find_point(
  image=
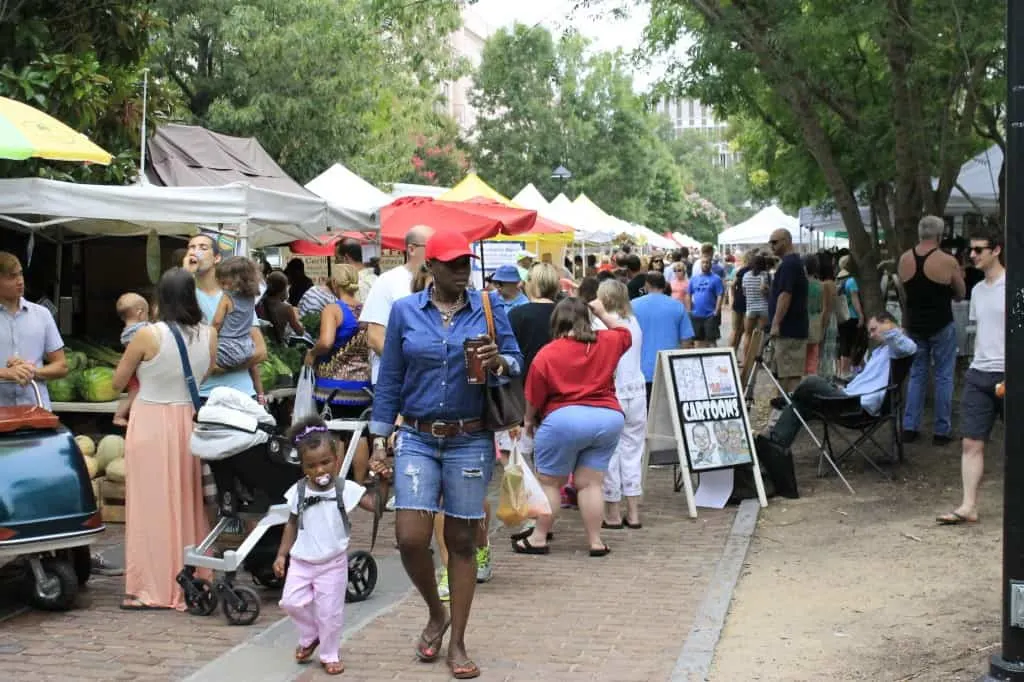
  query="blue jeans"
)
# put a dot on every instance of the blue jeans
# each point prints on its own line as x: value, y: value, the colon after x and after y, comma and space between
x: 938, y: 352
x: 576, y: 436
x: 443, y: 474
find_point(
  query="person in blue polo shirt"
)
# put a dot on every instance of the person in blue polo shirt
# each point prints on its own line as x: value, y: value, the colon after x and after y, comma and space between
x: 664, y: 322
x: 706, y: 291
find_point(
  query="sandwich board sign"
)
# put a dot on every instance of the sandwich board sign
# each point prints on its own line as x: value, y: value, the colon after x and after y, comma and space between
x: 697, y: 407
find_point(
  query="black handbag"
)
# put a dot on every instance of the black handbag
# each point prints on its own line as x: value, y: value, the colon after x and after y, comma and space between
x: 505, y: 403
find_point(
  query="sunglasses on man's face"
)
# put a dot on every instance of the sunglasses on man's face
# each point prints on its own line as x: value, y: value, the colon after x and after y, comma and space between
x: 773, y: 242
x: 978, y: 250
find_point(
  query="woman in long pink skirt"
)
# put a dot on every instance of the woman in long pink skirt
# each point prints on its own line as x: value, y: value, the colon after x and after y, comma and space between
x: 163, y: 488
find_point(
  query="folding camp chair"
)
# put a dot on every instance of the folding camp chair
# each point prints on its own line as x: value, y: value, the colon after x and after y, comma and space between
x: 845, y: 412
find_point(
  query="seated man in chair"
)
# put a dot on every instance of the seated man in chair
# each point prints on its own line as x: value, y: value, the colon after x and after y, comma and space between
x: 869, y: 385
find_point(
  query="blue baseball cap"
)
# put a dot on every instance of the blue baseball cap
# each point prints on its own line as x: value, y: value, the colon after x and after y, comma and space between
x: 506, y: 273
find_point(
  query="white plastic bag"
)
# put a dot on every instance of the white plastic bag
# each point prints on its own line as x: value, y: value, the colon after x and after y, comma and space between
x: 536, y: 500
x: 305, y: 405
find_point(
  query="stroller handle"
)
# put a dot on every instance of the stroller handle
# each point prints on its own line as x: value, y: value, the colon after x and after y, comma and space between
x: 35, y: 389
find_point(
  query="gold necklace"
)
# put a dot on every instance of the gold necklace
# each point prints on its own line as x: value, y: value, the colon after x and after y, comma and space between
x: 448, y: 310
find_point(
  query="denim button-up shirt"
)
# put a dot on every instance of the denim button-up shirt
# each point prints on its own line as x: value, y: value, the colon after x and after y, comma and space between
x: 423, y: 368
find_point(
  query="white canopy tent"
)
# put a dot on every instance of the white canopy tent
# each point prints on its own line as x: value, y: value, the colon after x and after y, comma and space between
x: 341, y: 187
x: 405, y: 189
x: 530, y: 198
x: 262, y: 217
x: 758, y: 228
x: 979, y: 178
x: 686, y: 240
x: 588, y: 230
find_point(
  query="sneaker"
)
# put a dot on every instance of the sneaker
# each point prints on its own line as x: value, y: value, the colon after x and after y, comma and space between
x: 941, y: 440
x: 100, y: 565
x: 483, y: 564
x: 442, y: 585
x: 390, y: 506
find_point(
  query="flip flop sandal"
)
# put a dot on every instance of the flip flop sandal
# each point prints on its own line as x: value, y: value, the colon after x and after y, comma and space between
x: 632, y: 526
x: 524, y: 534
x: 135, y: 605
x: 427, y: 650
x: 303, y: 654
x: 611, y: 526
x: 954, y: 519
x: 604, y: 551
x: 524, y: 547
x: 333, y: 667
x: 466, y: 670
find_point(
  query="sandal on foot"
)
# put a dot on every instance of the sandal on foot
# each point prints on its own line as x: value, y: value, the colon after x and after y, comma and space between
x: 954, y: 519
x: 466, y: 670
x: 524, y: 547
x: 333, y: 667
x: 604, y: 551
x: 632, y: 526
x: 304, y: 653
x: 611, y: 526
x: 523, y: 534
x: 427, y: 650
x: 132, y: 604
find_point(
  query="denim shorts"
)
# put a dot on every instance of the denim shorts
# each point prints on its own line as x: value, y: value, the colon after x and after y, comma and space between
x: 576, y: 436
x: 443, y: 474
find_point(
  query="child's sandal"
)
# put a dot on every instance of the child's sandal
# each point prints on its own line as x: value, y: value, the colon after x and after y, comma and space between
x: 333, y: 667
x: 304, y: 653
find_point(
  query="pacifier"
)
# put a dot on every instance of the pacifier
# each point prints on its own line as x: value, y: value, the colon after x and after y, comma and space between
x: 322, y: 480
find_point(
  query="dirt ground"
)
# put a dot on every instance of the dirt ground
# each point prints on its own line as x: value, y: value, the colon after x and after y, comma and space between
x: 867, y: 586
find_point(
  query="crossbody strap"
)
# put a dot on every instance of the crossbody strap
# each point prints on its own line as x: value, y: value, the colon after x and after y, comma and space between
x: 186, y: 365
x: 489, y: 316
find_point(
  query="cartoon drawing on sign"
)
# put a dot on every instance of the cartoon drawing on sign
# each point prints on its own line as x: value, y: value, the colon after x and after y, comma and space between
x: 720, y: 381
x: 703, y: 452
x: 733, y: 444
x: 690, y: 383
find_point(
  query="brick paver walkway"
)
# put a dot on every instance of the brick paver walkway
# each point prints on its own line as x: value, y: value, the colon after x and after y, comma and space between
x: 567, y: 616
x: 99, y: 642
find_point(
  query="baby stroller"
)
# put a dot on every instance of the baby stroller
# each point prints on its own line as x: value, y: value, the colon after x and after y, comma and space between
x: 253, y: 467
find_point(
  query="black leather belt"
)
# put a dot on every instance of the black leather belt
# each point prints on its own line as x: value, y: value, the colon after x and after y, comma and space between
x: 443, y: 429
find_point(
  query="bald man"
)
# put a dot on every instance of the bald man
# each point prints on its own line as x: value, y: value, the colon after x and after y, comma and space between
x: 787, y: 310
x: 388, y: 288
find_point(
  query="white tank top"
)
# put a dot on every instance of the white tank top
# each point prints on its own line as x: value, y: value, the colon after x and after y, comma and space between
x: 162, y: 379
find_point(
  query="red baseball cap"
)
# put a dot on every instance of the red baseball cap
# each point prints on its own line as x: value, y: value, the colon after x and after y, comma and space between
x: 448, y: 246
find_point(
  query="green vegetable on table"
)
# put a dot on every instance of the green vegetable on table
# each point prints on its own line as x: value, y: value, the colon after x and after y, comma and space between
x: 96, y: 385
x: 268, y: 375
x: 62, y: 390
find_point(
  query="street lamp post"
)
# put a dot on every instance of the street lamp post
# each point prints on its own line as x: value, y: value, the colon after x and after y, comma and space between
x: 1008, y: 664
x: 562, y: 174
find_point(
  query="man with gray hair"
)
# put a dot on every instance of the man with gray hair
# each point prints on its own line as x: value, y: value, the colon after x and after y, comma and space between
x: 388, y: 288
x: 932, y: 281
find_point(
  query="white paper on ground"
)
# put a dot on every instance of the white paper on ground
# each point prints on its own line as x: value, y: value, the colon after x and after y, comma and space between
x: 714, y: 489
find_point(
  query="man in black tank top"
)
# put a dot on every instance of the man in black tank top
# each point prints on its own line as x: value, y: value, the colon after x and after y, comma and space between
x: 932, y: 281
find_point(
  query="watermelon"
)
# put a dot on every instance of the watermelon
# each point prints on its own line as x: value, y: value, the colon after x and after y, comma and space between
x: 76, y: 359
x: 62, y: 390
x: 268, y: 375
x: 97, y: 385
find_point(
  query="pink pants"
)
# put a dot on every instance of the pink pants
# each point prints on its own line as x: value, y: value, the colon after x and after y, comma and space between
x: 314, y: 598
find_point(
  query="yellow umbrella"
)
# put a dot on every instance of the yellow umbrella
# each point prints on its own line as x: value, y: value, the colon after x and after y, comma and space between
x: 26, y: 132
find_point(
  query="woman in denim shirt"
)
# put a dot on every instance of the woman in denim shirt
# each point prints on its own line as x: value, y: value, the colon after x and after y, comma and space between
x: 443, y: 454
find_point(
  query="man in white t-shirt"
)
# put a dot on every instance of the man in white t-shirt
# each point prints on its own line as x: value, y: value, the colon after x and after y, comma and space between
x: 389, y: 287
x: 979, y: 404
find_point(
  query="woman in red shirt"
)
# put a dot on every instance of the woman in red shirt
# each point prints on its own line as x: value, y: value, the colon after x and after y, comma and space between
x: 574, y: 415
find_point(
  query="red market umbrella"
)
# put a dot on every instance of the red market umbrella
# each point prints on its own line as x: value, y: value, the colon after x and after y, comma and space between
x: 541, y: 226
x: 475, y: 220
x: 327, y: 243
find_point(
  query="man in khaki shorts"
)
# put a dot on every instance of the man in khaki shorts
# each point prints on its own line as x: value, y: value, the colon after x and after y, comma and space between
x: 787, y: 310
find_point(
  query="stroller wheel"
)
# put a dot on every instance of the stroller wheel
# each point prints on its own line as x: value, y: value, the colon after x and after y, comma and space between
x: 241, y: 605
x: 201, y: 600
x: 362, y: 576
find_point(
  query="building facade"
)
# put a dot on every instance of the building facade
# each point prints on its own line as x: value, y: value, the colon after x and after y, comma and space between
x: 693, y: 115
x: 467, y: 43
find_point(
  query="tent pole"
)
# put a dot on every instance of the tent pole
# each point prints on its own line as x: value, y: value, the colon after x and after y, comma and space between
x: 60, y: 268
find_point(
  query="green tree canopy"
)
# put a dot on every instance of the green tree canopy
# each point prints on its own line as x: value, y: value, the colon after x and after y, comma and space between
x: 316, y: 81
x: 543, y: 102
x: 82, y: 62
x: 837, y: 99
